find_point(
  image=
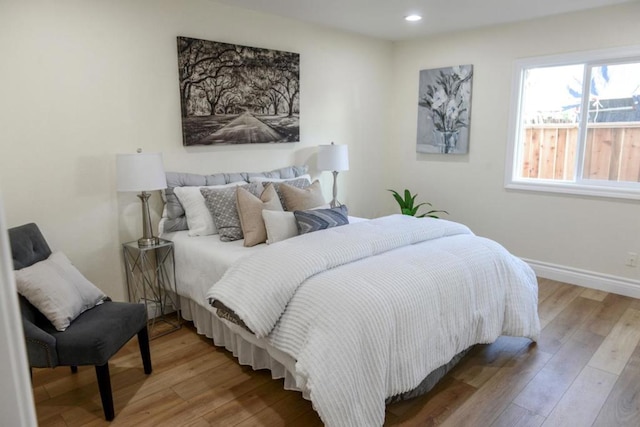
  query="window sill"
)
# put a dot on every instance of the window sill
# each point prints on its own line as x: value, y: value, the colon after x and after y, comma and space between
x: 576, y: 189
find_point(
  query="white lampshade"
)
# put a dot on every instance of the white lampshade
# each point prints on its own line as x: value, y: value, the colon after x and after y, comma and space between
x: 140, y: 172
x: 333, y: 157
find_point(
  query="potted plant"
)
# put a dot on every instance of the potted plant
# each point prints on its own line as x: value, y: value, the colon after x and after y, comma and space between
x: 408, y: 206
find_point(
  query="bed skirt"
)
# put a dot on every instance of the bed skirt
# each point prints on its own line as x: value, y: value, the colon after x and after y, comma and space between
x: 250, y: 352
x: 430, y: 381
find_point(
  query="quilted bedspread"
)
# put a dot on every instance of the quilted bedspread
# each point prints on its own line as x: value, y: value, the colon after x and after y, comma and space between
x: 368, y: 310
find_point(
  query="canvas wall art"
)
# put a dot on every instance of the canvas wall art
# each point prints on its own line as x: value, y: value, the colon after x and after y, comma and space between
x: 232, y: 94
x: 444, y: 110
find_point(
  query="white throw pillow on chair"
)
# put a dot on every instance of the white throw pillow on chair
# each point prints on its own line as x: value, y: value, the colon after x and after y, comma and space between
x: 58, y: 290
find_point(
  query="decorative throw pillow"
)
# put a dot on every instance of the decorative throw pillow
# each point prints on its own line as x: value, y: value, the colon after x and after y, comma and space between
x: 250, y: 210
x: 280, y: 225
x: 58, y: 290
x: 300, y: 199
x: 174, y: 211
x: 300, y: 182
x: 221, y: 202
x: 199, y: 219
x: 321, y: 219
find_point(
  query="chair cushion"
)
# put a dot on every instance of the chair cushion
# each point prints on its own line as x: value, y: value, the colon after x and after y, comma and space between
x: 28, y: 245
x: 97, y: 334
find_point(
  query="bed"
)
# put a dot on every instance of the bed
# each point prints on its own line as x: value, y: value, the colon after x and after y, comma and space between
x: 358, y: 315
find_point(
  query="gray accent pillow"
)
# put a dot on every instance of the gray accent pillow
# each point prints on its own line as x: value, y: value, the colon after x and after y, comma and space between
x: 321, y: 219
x: 175, y: 216
x: 221, y: 202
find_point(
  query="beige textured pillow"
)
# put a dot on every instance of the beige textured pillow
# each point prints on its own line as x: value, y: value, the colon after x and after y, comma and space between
x: 300, y: 199
x: 250, y: 212
x: 280, y: 225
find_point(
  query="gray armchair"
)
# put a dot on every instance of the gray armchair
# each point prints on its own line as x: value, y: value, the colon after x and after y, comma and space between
x: 91, y: 339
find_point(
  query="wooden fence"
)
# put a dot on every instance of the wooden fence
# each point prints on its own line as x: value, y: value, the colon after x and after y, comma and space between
x: 612, y: 151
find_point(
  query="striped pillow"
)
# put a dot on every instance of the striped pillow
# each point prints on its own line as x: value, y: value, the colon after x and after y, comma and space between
x: 320, y: 219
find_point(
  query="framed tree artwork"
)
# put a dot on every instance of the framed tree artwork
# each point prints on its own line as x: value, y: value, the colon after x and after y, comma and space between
x: 232, y: 94
x: 444, y: 110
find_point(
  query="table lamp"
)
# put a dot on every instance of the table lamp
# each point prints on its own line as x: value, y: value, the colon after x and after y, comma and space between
x: 333, y: 158
x: 141, y: 172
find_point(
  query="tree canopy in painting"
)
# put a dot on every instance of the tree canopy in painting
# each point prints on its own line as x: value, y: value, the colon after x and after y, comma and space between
x: 232, y: 94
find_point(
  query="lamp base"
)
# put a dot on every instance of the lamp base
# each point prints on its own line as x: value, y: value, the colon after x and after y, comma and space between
x: 148, y: 241
x: 334, y: 202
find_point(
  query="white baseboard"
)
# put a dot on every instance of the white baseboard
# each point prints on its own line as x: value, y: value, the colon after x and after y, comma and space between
x: 588, y: 279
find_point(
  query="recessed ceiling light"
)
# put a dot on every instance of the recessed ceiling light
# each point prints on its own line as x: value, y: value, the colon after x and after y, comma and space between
x: 412, y: 18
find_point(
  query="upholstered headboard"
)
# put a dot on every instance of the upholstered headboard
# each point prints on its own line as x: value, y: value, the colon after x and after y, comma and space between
x: 174, y: 212
x: 28, y: 246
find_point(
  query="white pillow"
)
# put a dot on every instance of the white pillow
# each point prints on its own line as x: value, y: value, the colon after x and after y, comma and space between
x: 58, y: 290
x: 265, y: 179
x: 280, y: 225
x: 199, y: 218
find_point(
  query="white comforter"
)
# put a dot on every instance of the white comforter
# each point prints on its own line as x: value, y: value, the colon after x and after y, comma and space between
x: 368, y: 310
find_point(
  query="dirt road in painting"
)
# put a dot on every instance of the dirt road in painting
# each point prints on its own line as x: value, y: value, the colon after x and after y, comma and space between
x: 242, y: 130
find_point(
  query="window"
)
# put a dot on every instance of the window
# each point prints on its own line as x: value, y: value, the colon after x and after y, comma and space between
x: 575, y: 124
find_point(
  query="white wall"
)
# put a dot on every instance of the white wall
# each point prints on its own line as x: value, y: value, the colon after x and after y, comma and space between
x: 83, y: 80
x: 582, y: 233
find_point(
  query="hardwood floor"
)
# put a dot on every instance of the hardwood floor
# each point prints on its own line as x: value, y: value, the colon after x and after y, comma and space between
x: 584, y: 371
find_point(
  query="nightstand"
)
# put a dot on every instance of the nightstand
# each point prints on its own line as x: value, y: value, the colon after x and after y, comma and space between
x: 151, y: 280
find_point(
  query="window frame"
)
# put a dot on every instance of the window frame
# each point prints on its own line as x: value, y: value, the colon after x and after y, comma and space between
x: 587, y: 187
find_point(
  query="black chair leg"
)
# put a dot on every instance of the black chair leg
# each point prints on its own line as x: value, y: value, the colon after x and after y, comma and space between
x: 104, y: 383
x: 143, y: 342
x: 74, y: 369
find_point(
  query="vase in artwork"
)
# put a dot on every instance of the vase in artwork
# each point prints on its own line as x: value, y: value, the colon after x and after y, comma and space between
x: 446, y: 140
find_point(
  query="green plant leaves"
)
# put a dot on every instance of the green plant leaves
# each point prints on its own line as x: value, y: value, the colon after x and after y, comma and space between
x: 407, y: 207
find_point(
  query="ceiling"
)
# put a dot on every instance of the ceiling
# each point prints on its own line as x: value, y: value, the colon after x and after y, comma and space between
x: 384, y: 18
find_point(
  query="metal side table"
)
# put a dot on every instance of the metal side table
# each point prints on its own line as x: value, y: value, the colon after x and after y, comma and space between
x: 151, y: 280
